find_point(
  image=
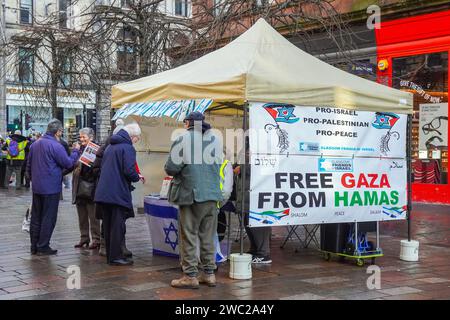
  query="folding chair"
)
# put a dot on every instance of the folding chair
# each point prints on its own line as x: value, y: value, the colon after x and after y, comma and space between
x: 310, y: 235
x: 292, y: 230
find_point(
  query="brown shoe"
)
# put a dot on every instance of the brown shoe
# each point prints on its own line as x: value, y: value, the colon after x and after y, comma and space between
x: 208, y: 279
x: 185, y: 282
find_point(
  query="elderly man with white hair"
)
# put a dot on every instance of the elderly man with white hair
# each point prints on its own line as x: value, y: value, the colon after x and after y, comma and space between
x: 113, y: 192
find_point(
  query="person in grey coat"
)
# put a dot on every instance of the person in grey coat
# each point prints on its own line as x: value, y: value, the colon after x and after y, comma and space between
x: 195, y: 188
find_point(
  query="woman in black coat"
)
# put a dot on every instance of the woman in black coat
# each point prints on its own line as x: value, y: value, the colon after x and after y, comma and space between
x: 83, y: 189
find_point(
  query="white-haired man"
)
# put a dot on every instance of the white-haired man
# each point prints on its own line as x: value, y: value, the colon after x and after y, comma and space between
x: 113, y: 192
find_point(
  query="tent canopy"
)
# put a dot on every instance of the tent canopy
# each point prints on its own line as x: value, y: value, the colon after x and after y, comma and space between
x: 262, y: 66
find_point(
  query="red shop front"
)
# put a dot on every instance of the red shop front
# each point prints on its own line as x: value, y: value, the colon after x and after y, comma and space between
x: 413, y: 55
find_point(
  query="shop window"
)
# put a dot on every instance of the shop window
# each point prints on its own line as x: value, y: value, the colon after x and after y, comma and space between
x: 426, y: 76
x: 35, y: 119
x: 26, y: 11
x: 26, y: 65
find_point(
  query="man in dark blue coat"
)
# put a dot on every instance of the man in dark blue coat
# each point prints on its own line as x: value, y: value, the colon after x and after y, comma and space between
x: 113, y: 193
x: 46, y: 161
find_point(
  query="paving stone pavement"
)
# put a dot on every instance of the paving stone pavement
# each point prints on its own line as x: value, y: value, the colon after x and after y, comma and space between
x: 295, y: 273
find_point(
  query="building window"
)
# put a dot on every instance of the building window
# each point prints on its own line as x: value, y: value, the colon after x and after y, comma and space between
x: 26, y: 65
x: 261, y: 3
x: 66, y: 68
x: 64, y: 13
x: 125, y: 3
x: 126, y: 58
x: 181, y: 8
x: 126, y: 51
x: 26, y: 11
x: 221, y: 7
x: 426, y: 76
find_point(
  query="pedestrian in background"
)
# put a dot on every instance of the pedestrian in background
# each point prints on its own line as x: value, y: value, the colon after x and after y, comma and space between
x: 113, y: 193
x: 47, y: 160
x: 27, y: 219
x: 17, y: 147
x: 25, y: 182
x: 66, y: 180
x: 83, y: 190
x: 2, y: 164
x: 195, y: 188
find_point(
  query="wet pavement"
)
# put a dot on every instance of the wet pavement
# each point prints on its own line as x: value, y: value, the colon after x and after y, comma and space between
x: 295, y: 273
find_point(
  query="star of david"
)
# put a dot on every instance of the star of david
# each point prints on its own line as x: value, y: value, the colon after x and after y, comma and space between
x: 285, y: 112
x: 382, y: 120
x: 167, y: 232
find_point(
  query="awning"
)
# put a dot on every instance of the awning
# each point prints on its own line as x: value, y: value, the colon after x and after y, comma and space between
x: 168, y: 108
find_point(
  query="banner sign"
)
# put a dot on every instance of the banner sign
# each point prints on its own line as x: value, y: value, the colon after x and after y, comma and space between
x: 356, y: 173
x: 283, y: 128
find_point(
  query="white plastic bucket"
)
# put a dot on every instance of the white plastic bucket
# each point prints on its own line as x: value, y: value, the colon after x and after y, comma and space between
x: 240, y: 266
x: 409, y: 250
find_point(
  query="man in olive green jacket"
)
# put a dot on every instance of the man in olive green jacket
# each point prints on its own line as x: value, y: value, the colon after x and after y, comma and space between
x: 194, y: 162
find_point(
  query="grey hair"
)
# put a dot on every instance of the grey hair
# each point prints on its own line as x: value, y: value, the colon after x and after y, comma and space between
x: 54, y: 126
x: 133, y: 129
x: 87, y: 131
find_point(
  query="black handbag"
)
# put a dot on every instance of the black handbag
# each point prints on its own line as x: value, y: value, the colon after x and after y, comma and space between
x: 86, y: 190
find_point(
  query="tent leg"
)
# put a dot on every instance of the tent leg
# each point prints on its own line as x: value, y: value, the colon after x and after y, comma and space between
x: 409, y: 171
x: 243, y: 180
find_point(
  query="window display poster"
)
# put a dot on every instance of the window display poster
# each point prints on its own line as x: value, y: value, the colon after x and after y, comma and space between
x: 433, y: 124
x: 89, y: 154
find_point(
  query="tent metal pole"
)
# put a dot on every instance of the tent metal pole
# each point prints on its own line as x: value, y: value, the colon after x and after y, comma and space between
x: 243, y: 179
x: 409, y: 178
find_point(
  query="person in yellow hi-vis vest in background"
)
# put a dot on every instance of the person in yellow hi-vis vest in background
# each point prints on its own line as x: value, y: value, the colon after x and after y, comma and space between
x: 226, y: 180
x: 16, y: 147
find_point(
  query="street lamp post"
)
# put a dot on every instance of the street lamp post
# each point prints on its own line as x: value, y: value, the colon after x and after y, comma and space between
x: 3, y: 68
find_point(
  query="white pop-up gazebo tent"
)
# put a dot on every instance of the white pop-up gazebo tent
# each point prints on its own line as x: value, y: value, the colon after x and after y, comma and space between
x: 258, y: 66
x: 261, y: 65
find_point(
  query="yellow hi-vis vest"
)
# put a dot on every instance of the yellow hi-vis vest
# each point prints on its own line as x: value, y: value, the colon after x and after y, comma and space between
x: 222, y: 173
x: 21, y: 146
x: 222, y: 178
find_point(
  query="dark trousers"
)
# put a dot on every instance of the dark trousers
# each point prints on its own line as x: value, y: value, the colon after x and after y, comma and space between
x: 114, y: 230
x: 259, y: 239
x: 23, y: 179
x: 44, y: 212
x: 3, y: 174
